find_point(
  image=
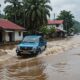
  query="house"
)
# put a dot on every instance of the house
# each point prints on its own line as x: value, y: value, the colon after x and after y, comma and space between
x: 10, y: 31
x: 58, y: 25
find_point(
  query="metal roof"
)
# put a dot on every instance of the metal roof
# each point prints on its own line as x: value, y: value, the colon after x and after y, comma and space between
x: 55, y: 22
x: 8, y: 25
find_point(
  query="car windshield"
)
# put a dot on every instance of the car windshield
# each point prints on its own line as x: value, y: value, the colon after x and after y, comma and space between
x: 30, y: 39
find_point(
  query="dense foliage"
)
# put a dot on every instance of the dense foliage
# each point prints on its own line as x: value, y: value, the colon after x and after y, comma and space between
x: 37, y: 12
x: 32, y: 14
x: 68, y: 20
x: 14, y: 12
x: 48, y: 31
x: 76, y: 26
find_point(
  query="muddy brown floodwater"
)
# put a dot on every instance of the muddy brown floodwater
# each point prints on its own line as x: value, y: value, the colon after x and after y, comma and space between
x: 63, y: 66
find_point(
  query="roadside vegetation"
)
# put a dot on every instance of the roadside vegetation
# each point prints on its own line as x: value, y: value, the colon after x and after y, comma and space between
x: 48, y: 32
x: 34, y: 14
x: 68, y: 18
x: 76, y: 27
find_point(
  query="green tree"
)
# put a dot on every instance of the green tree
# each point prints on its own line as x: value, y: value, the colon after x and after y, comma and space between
x: 32, y: 14
x: 37, y: 12
x: 14, y: 11
x: 68, y: 20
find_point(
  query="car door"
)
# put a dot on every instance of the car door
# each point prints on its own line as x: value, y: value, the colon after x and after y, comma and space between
x: 42, y: 43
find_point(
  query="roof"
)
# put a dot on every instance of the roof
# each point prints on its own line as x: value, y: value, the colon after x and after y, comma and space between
x: 55, y: 22
x: 6, y: 24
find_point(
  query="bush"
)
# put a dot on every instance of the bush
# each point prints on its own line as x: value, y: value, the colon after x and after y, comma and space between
x: 52, y: 30
x: 44, y: 30
x: 48, y: 31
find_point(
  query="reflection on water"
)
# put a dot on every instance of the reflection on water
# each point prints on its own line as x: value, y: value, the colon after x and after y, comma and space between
x: 61, y: 67
x: 27, y: 70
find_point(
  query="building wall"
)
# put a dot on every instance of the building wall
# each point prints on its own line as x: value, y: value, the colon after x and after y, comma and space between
x: 15, y: 36
x: 6, y: 37
x: 18, y: 35
x: 59, y: 27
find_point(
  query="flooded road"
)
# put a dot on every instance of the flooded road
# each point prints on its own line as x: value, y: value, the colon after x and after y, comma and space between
x: 63, y: 66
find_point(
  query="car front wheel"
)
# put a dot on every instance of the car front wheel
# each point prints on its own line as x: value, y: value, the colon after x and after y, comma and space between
x: 39, y: 51
x: 18, y: 54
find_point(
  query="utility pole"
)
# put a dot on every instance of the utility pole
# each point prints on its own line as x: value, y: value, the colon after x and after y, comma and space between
x: 54, y: 16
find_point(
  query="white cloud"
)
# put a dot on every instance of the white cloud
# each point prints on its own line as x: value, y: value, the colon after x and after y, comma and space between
x: 2, y: 4
x: 70, y: 5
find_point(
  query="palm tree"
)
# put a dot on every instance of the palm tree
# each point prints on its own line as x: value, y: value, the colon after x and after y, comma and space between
x: 12, y: 10
x: 37, y: 12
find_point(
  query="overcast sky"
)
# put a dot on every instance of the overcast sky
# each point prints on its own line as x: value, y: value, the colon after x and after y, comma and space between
x: 58, y: 5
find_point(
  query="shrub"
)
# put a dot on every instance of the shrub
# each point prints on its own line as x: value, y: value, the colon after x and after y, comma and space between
x: 48, y: 31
